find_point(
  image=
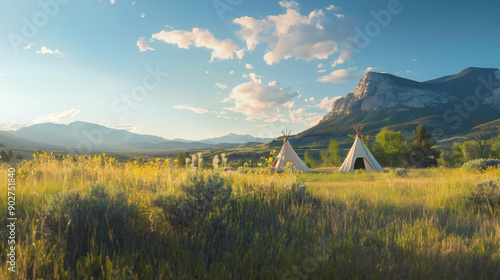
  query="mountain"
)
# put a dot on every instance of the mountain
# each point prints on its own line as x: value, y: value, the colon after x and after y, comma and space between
x: 236, y: 139
x: 86, y: 136
x: 81, y: 134
x: 452, y: 104
x: 8, y: 138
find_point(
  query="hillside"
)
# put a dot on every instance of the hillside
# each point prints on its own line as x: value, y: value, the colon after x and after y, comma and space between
x: 448, y: 104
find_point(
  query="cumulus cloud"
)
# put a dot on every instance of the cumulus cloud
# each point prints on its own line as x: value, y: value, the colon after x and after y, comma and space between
x: 292, y: 34
x: 343, y: 75
x: 200, y: 38
x: 44, y: 50
x: 327, y: 103
x: 197, y: 110
x: 143, y: 15
x: 57, y: 117
x: 113, y: 2
x: 258, y: 98
x: 249, y: 66
x: 231, y: 72
x: 28, y: 46
x: 143, y: 45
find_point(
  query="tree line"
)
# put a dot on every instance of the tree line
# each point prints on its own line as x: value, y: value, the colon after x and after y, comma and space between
x: 391, y: 150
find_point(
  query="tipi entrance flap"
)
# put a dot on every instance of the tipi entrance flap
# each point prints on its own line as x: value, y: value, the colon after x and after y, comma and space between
x: 357, y: 151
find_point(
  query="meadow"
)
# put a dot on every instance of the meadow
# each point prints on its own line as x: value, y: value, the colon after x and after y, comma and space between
x: 92, y: 217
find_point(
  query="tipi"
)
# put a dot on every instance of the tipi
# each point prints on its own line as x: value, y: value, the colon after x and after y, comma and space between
x: 359, y: 157
x: 288, y: 156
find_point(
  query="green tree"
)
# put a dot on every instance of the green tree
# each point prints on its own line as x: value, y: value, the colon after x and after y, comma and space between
x: 331, y: 156
x: 457, y: 155
x: 392, y: 144
x: 422, y: 151
x: 11, y: 155
x: 494, y: 144
x: 4, y: 156
x: 309, y: 160
x: 471, y: 150
x: 181, y: 158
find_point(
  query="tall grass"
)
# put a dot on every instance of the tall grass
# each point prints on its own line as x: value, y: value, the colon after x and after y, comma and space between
x: 93, y: 217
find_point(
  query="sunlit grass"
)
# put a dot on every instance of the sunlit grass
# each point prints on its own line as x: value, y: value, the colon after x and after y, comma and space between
x: 95, y: 217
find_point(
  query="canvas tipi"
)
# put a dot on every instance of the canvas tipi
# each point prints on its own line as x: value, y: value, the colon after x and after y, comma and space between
x: 287, y: 156
x: 359, y: 157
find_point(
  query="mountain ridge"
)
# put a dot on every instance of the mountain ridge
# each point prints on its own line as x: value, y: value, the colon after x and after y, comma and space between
x: 382, y: 99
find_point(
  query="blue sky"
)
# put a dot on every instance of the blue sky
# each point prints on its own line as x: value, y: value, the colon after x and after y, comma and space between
x: 199, y: 69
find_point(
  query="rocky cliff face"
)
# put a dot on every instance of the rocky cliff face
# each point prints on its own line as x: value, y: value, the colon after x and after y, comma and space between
x: 386, y: 100
x: 377, y: 91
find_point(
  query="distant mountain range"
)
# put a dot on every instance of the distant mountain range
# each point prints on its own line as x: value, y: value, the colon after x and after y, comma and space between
x: 451, y: 105
x: 87, y: 136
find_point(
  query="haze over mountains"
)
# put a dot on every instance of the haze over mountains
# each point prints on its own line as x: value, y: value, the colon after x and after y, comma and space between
x: 88, y: 135
x: 451, y: 105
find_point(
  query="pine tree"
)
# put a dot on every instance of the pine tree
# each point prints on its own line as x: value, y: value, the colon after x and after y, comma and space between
x: 422, y: 153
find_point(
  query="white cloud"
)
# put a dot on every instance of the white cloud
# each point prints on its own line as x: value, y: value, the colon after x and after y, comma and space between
x: 12, y: 126
x: 143, y: 15
x: 321, y: 65
x: 292, y: 34
x: 2, y: 74
x: 289, y: 4
x: 326, y: 103
x: 321, y: 70
x: 129, y: 128
x: 57, y: 117
x: 207, y: 72
x: 340, y: 16
x: 249, y: 66
x: 343, y: 75
x: 257, y: 98
x: 200, y: 38
x: 197, y: 110
x: 112, y: 2
x: 44, y: 50
x: 221, y: 86
x: 231, y: 72
x: 28, y: 46
x: 133, y: 4
x: 143, y: 45
x: 332, y: 8
x: 414, y: 60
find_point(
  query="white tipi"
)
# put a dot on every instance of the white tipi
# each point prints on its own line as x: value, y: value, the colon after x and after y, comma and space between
x: 359, y: 157
x: 288, y: 156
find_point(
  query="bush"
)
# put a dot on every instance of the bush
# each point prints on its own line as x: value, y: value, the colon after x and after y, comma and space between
x: 486, y: 193
x: 481, y: 164
x: 94, y: 216
x: 200, y: 194
x: 400, y: 172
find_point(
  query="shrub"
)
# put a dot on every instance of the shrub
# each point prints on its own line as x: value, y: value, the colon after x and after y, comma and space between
x: 481, y: 164
x: 486, y: 193
x: 401, y: 172
x: 91, y: 216
x: 200, y: 194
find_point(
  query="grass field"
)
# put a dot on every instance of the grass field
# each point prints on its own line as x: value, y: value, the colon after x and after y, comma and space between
x: 93, y: 217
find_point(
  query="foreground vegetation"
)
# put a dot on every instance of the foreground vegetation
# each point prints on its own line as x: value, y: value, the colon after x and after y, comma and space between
x: 95, y: 217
